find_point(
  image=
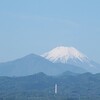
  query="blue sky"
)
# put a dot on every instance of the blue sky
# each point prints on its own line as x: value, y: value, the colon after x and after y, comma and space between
x: 36, y: 26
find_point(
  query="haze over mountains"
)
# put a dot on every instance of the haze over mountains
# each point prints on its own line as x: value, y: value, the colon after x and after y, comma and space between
x: 54, y: 62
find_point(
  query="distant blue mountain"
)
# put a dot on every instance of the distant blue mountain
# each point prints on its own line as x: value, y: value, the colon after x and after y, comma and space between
x: 32, y: 64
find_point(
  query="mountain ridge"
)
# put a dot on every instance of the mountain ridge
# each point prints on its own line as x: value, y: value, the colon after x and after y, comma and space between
x: 70, y: 85
x: 32, y: 63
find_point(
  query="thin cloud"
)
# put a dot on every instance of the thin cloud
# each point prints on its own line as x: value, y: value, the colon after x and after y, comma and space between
x: 66, y: 22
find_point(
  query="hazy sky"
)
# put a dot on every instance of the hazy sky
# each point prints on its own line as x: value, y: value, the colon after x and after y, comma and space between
x: 36, y: 26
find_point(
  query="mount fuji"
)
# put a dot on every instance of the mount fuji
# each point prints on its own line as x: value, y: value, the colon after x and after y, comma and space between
x: 54, y: 62
x: 70, y: 55
x: 64, y: 55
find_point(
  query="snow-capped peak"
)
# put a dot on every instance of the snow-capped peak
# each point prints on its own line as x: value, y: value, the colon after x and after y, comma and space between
x: 63, y: 54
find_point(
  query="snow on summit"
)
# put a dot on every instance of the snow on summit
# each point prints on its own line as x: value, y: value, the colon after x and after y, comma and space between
x: 63, y: 54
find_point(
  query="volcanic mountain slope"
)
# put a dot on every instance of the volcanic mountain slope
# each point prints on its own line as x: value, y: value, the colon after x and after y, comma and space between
x: 70, y: 55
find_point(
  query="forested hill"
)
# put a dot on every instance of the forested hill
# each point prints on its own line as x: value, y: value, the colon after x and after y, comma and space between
x: 71, y: 86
